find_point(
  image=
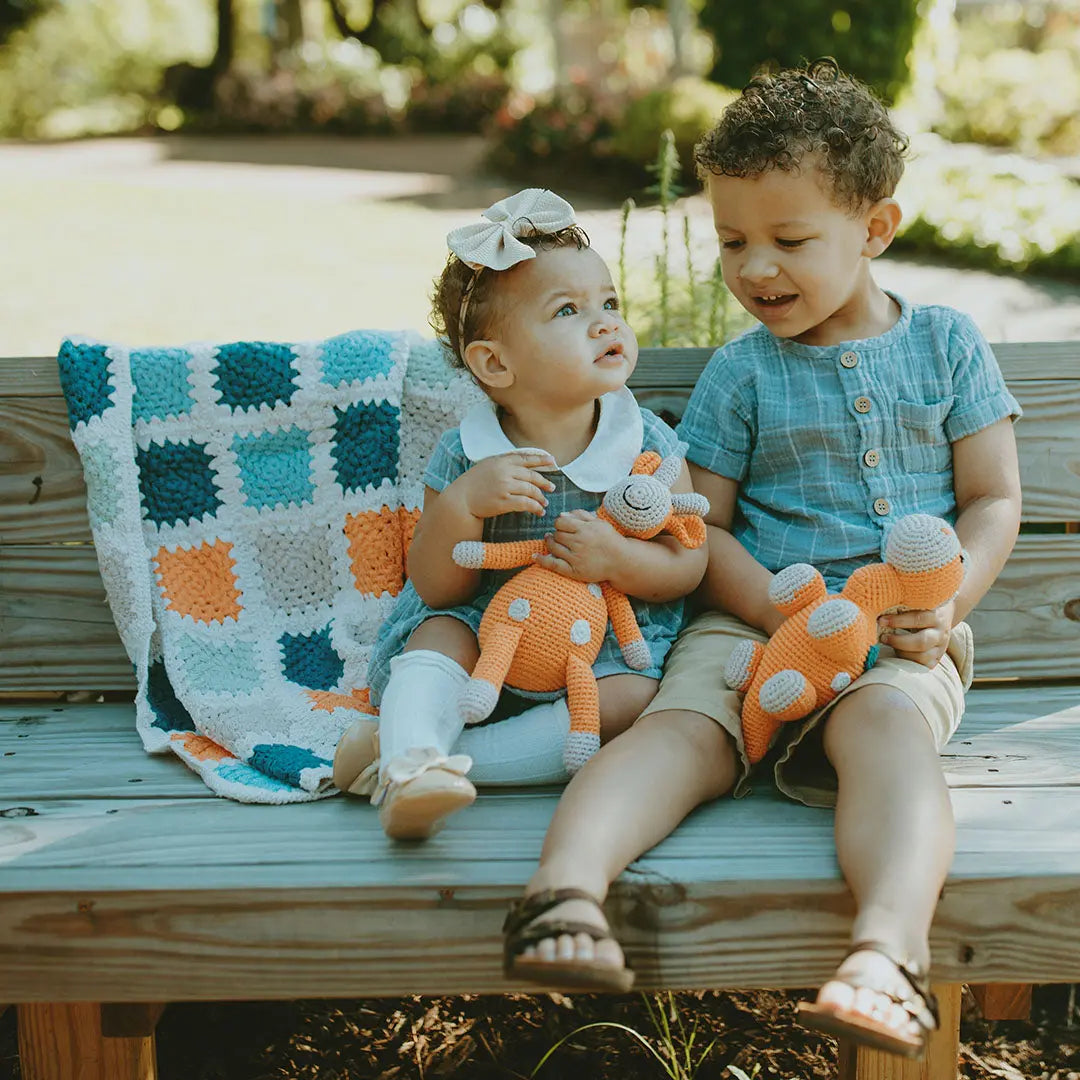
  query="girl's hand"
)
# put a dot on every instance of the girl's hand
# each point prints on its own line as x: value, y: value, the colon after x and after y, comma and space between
x: 506, y: 484
x: 582, y: 547
x: 922, y: 636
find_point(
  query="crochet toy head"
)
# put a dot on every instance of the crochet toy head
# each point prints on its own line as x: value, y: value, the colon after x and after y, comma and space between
x: 643, y: 504
x: 828, y: 641
x: 543, y: 631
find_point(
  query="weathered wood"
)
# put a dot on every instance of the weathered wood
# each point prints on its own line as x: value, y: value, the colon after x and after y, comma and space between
x: 42, y: 493
x: 62, y: 1041
x: 38, y: 376
x: 56, y: 631
x: 266, y: 943
x: 1003, y: 1001
x: 42, y: 499
x: 130, y: 1020
x: 940, y: 1063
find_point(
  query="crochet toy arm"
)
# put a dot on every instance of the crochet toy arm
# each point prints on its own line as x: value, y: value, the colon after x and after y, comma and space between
x: 476, y: 555
x: 627, y: 632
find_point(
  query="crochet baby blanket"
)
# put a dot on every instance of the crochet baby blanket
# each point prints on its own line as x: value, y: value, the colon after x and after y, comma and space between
x: 251, y: 504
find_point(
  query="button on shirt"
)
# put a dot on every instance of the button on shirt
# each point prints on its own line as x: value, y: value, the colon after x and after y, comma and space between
x: 784, y: 420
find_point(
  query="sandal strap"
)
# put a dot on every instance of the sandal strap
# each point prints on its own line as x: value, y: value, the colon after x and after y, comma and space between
x: 919, y: 982
x: 529, y: 908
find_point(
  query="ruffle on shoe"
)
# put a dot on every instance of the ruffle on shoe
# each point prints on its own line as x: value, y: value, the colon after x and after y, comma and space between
x: 416, y: 761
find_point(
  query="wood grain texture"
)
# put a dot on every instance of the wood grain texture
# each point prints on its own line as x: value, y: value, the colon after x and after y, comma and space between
x: 942, y: 1051
x: 35, y: 444
x: 64, y: 1041
x: 112, y: 892
x: 1003, y: 1001
x: 56, y: 631
x: 38, y: 376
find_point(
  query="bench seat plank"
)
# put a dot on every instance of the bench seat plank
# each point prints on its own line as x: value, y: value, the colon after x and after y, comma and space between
x: 92, y: 751
x: 113, y: 891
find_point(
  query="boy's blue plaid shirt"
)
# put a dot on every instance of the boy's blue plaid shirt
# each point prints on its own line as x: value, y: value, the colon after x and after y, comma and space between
x: 831, y: 444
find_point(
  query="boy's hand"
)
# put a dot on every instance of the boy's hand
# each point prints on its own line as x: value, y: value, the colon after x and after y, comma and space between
x: 582, y: 547
x: 506, y: 484
x: 922, y: 636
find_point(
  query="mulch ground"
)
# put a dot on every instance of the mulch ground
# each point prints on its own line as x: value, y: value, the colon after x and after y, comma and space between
x: 500, y: 1037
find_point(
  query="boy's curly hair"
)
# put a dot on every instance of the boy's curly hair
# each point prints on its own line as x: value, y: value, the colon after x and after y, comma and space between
x: 482, y: 316
x: 781, y: 118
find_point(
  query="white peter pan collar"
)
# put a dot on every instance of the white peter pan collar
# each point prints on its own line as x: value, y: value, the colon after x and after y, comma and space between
x: 607, y: 459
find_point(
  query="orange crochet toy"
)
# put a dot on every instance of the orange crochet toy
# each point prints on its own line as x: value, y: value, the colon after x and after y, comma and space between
x: 829, y: 640
x: 543, y: 631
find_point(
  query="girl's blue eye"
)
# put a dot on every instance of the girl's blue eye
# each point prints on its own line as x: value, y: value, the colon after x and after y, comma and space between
x: 611, y: 304
x: 566, y: 309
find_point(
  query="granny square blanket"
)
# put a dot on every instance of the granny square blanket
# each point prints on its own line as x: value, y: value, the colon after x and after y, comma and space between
x: 251, y: 504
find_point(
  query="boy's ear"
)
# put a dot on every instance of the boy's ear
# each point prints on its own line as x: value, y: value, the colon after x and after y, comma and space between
x: 882, y: 221
x: 483, y: 359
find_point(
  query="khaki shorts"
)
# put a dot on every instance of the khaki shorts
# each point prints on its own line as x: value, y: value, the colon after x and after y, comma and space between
x: 694, y: 681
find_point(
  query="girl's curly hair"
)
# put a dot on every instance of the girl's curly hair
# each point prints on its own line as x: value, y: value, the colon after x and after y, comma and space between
x: 482, y: 316
x: 783, y: 117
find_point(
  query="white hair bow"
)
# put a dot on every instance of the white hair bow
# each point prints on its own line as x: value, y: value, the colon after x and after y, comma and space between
x: 494, y: 243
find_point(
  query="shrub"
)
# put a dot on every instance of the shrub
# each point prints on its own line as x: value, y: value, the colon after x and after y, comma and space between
x: 997, y: 213
x: 94, y: 66
x: 599, y: 140
x: 869, y: 39
x: 1016, y: 98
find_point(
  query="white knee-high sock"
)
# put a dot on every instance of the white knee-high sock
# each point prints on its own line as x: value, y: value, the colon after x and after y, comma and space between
x: 419, y: 705
x: 523, y: 749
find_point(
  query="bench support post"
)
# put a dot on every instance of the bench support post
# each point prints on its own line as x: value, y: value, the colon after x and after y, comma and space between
x: 940, y: 1063
x: 61, y: 1041
x: 1003, y: 1001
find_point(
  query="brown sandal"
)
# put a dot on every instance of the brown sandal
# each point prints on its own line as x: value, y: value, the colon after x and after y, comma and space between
x: 522, y: 930
x: 920, y: 1004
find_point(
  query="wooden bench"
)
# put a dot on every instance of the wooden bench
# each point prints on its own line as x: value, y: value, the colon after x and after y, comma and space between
x: 124, y: 881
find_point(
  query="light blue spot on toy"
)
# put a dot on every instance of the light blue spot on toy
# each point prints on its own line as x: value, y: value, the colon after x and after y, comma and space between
x: 239, y: 773
x: 275, y: 467
x: 227, y: 667
x: 103, y: 491
x: 357, y: 357
x: 161, y: 383
x: 286, y: 762
x: 872, y: 656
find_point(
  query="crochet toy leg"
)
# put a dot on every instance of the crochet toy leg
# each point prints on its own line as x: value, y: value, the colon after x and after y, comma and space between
x: 479, y: 697
x: 523, y: 749
x: 583, y: 700
x: 419, y: 782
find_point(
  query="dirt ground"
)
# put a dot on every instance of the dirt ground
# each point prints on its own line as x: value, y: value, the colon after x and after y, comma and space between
x: 503, y: 1037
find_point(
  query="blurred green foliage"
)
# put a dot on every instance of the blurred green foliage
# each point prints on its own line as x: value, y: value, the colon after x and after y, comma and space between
x: 94, y: 67
x: 870, y: 39
x: 13, y: 13
x: 1005, y: 213
x: 600, y: 140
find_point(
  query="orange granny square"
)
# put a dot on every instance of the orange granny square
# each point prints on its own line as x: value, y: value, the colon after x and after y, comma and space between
x: 200, y: 581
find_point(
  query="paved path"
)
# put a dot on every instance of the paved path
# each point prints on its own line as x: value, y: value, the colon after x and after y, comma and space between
x: 182, y: 238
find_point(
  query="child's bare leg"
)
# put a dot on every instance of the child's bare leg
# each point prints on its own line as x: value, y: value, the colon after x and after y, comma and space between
x: 894, y: 840
x: 449, y: 636
x: 622, y: 700
x: 604, y: 820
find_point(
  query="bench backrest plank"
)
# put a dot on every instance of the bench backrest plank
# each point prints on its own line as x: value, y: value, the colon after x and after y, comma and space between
x: 56, y: 632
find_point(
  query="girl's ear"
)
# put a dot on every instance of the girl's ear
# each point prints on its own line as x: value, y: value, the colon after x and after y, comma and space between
x: 882, y: 221
x: 483, y: 359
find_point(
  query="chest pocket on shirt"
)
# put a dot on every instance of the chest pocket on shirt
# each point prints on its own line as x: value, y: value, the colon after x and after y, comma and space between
x: 923, y: 444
